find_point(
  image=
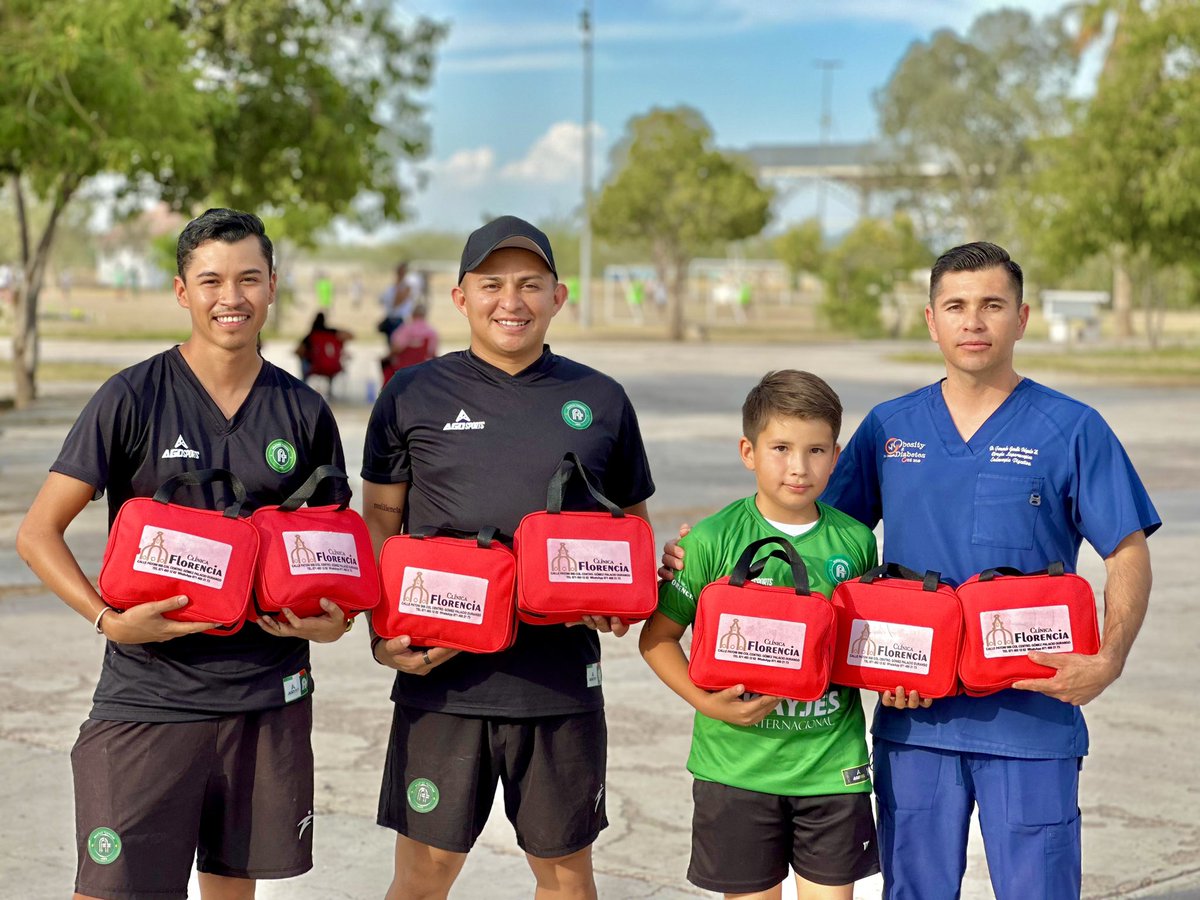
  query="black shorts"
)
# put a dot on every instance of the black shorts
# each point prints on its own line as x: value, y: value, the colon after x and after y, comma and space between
x: 743, y: 841
x: 235, y: 794
x: 440, y: 777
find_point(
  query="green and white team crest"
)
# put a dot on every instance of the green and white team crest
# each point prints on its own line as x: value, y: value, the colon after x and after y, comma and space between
x: 104, y: 846
x: 281, y: 456
x: 577, y: 414
x: 423, y: 795
x: 837, y: 568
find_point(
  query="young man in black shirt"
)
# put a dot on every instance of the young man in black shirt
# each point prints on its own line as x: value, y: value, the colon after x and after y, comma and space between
x: 198, y: 745
x: 467, y: 440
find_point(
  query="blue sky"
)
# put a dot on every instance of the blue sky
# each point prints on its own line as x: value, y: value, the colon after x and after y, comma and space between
x: 506, y: 104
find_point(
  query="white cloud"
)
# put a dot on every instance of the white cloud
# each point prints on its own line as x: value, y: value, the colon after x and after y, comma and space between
x: 556, y: 157
x: 464, y: 169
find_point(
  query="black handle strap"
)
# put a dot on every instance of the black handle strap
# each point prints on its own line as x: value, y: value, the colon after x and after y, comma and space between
x: 304, y: 493
x: 745, y: 564
x: 1054, y: 569
x: 571, y: 464
x: 929, y: 581
x: 483, y: 537
x: 200, y: 477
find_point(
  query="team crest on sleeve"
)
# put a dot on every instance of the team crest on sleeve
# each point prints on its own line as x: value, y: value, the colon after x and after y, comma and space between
x: 281, y: 456
x: 577, y: 414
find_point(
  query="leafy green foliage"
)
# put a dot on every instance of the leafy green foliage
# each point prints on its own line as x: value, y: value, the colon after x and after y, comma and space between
x: 801, y: 247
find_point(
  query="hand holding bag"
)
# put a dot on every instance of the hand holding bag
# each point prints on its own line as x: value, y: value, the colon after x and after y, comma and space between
x: 896, y: 627
x: 1007, y: 614
x: 314, y: 552
x: 575, y: 564
x: 444, y: 590
x: 773, y: 639
x: 158, y: 549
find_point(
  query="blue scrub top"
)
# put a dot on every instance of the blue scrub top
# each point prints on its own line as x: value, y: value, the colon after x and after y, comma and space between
x: 1042, y: 474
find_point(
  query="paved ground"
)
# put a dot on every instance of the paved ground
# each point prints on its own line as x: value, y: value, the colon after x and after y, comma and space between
x: 1141, y: 837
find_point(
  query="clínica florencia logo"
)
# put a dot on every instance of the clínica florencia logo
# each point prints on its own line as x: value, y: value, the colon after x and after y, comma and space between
x: 891, y: 646
x: 764, y: 642
x: 1015, y: 632
x: 177, y: 554
x: 588, y: 562
x: 321, y: 553
x: 435, y: 594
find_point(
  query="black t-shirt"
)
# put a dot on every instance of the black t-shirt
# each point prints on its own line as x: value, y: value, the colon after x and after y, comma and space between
x: 477, y: 447
x: 150, y: 422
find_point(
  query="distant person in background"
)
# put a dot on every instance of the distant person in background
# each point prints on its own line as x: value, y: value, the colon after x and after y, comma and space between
x: 418, y: 286
x: 357, y: 291
x: 321, y: 350
x: 397, y: 302
x: 413, y: 342
x: 324, y: 288
x: 64, y: 284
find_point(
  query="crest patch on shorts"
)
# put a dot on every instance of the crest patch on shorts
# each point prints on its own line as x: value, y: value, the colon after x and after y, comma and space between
x: 104, y: 846
x: 423, y: 795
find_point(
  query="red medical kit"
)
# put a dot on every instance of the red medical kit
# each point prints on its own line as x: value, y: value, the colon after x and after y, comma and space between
x: 1008, y: 614
x: 575, y: 564
x: 307, y: 553
x: 447, y: 591
x: 896, y: 627
x: 158, y: 549
x: 775, y: 640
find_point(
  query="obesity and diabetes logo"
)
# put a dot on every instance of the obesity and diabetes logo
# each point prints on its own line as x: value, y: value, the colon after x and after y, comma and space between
x: 904, y: 451
x: 188, y: 557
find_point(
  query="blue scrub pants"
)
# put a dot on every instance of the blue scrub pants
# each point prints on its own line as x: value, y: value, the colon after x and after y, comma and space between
x: 1028, y: 812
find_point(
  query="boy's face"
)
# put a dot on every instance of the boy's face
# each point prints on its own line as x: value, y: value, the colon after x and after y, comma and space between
x: 792, y: 460
x: 228, y: 288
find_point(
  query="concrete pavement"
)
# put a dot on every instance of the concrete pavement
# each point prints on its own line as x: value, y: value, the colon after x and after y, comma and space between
x: 1141, y: 838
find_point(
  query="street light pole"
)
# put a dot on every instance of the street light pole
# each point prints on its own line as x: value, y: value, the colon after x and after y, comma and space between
x: 826, y: 66
x: 585, y: 237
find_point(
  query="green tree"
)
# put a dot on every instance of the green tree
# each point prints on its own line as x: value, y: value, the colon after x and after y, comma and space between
x: 960, y: 111
x: 297, y: 110
x: 861, y: 273
x: 673, y: 192
x: 801, y: 248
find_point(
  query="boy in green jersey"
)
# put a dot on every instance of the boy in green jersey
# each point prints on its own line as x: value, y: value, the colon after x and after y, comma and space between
x: 777, y: 781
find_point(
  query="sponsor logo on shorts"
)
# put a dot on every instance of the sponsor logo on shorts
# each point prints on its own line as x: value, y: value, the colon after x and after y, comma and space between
x: 838, y: 569
x: 281, y: 456
x: 764, y: 642
x: 104, y: 846
x: 891, y: 646
x: 303, y: 824
x: 180, y: 451
x: 577, y: 414
x: 296, y: 686
x: 321, y: 553
x: 443, y: 595
x: 188, y: 557
x: 856, y: 775
x: 423, y: 795
x: 1015, y: 632
x: 589, y: 562
x: 905, y: 451
x: 462, y: 422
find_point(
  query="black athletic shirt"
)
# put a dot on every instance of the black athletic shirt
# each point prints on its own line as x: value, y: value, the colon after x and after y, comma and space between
x: 477, y: 447
x: 150, y: 422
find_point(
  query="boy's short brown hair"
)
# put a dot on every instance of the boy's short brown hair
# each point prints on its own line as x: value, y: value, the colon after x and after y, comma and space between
x: 790, y: 393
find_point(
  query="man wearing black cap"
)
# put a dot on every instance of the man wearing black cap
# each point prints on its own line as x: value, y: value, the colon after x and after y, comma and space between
x: 467, y: 440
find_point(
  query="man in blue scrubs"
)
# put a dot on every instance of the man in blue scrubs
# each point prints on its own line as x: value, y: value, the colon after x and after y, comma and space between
x: 987, y: 468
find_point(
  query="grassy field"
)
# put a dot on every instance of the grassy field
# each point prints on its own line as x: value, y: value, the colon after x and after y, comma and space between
x: 1175, y: 365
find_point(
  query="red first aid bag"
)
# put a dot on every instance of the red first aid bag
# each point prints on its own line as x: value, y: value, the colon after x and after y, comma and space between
x: 575, y: 564
x: 775, y: 640
x: 313, y: 552
x: 1008, y: 614
x: 896, y: 627
x: 157, y: 549
x: 447, y: 591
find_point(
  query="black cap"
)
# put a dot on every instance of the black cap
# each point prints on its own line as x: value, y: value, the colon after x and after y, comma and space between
x: 506, y: 231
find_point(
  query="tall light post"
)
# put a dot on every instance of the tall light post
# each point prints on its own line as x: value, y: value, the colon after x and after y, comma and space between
x: 585, y: 236
x: 826, y: 66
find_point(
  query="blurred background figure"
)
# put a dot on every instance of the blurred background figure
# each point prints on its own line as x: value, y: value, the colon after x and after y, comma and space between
x: 397, y: 302
x: 413, y: 342
x: 324, y: 288
x: 322, y: 350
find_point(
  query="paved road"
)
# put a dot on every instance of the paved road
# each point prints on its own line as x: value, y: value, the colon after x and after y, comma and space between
x: 1141, y: 837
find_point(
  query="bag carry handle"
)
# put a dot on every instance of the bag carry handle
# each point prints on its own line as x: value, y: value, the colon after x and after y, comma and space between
x: 570, y: 464
x: 929, y: 581
x: 204, y: 476
x: 483, y: 537
x: 304, y: 493
x: 745, y: 564
x: 1053, y: 569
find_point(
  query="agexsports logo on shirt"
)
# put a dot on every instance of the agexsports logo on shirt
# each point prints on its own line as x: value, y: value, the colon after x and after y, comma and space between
x: 180, y: 451
x: 905, y: 451
x: 463, y: 422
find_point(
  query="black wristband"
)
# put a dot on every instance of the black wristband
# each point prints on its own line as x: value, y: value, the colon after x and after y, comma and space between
x: 376, y: 640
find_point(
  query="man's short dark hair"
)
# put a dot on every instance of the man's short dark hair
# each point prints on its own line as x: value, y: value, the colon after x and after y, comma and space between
x: 790, y: 394
x: 975, y: 258
x: 226, y: 225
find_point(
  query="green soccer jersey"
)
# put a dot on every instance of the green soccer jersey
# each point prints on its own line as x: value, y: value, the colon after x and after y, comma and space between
x: 800, y: 749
